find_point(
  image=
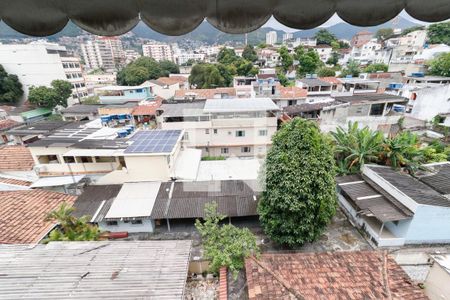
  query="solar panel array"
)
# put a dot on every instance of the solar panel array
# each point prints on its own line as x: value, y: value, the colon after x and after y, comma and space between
x: 154, y: 141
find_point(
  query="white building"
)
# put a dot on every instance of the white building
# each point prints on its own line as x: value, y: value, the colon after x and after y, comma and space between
x: 184, y: 57
x: 288, y: 36
x: 306, y: 42
x: 438, y: 277
x: 94, y: 81
x: 431, y: 52
x: 158, y: 52
x: 103, y: 52
x: 324, y: 52
x: 224, y: 127
x: 428, y: 101
x: 271, y: 38
x: 39, y: 63
x: 366, y: 53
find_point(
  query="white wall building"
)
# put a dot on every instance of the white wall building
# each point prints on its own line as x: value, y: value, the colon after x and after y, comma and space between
x: 39, y: 63
x: 271, y: 38
x: 103, y: 52
x: 366, y: 53
x: 184, y: 57
x: 324, y: 52
x: 428, y: 102
x: 288, y: 36
x: 158, y: 52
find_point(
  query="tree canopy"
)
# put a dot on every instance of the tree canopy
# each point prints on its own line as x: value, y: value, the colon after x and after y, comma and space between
x: 53, y: 96
x: 300, y: 198
x: 145, y: 68
x: 287, y: 61
x: 10, y: 87
x: 440, y: 66
x: 326, y: 72
x: 249, y: 53
x: 352, y: 69
x: 71, y: 228
x: 227, y: 56
x: 384, y: 33
x: 206, y: 76
x: 225, y: 245
x: 323, y: 36
x: 439, y: 33
x: 308, y: 61
x: 373, y: 68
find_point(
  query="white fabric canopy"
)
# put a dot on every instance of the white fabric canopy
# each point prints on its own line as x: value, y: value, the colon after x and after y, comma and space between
x: 56, y: 181
x: 177, y: 17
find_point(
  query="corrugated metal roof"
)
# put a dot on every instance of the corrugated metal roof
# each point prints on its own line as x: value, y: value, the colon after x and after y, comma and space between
x: 413, y: 188
x: 89, y: 201
x: 234, y: 198
x: 95, y: 270
x: 135, y: 199
x: 239, y: 105
x: 56, y: 181
x: 438, y: 178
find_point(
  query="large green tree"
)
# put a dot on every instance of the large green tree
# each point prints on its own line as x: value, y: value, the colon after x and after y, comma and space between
x: 352, y: 69
x: 325, y: 72
x: 300, y: 197
x: 225, y: 245
x: 323, y: 36
x: 145, y: 68
x: 206, y: 76
x: 169, y: 67
x: 53, y: 96
x: 308, y: 61
x: 245, y: 68
x: 439, y: 33
x: 249, y: 53
x: 384, y: 33
x: 10, y: 87
x: 373, y: 68
x: 440, y: 66
x: 287, y: 61
x: 227, y: 56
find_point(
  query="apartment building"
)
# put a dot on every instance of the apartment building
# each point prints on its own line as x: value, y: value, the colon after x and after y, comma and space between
x: 271, y: 38
x: 324, y: 52
x: 366, y: 53
x: 94, y: 81
x: 103, y: 52
x: 287, y: 36
x: 361, y: 38
x: 122, y: 94
x: 184, y: 57
x: 223, y: 127
x: 39, y: 63
x: 158, y: 52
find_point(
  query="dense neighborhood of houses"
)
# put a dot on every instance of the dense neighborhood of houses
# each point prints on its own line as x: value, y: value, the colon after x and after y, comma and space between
x: 138, y: 165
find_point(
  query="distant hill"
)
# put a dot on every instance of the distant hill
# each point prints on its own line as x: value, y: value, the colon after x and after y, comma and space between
x: 208, y: 34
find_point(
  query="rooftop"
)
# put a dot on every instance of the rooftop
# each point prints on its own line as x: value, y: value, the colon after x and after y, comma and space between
x: 147, y: 109
x: 36, y: 113
x: 367, y: 98
x: 8, y: 124
x: 187, y: 199
x: 38, y: 128
x: 92, y: 197
x: 22, y: 217
x: 337, y: 275
x: 240, y: 105
x: 312, y: 82
x: 15, y: 158
x: 437, y: 177
x: 95, y: 270
x: 292, y: 92
x: 204, y: 93
x: 154, y: 141
x: 308, y: 107
x: 182, y: 109
x: 410, y: 186
x: 331, y: 79
x: 135, y: 199
x: 82, y: 109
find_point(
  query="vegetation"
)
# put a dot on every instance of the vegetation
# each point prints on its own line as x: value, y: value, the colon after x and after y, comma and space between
x: 384, y: 34
x: 324, y: 37
x: 50, y: 97
x: 287, y: 61
x: 373, y: 68
x: 249, y: 53
x: 358, y: 146
x: 91, y: 100
x: 10, y: 87
x: 145, y: 68
x: 206, y: 76
x: 412, y: 29
x: 214, y: 158
x: 225, y: 245
x: 439, y: 33
x: 300, y: 198
x: 440, y: 66
x: 325, y: 72
x: 308, y: 61
x: 352, y: 69
x: 55, y: 117
x: 71, y: 228
x: 334, y: 59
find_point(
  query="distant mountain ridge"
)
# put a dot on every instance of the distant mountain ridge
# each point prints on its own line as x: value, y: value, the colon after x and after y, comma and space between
x: 208, y: 34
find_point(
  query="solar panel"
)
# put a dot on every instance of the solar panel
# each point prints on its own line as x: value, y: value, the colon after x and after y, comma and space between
x: 153, y: 141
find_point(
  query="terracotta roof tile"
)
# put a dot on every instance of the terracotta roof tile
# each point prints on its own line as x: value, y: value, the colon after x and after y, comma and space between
x: 205, y: 93
x: 15, y: 158
x: 14, y: 181
x: 22, y: 217
x: 172, y: 80
x: 338, y: 275
x: 292, y: 92
x: 331, y: 79
x: 8, y: 124
x: 147, y: 109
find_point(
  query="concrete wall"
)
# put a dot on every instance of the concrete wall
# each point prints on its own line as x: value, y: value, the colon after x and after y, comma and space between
x: 147, y: 168
x: 437, y: 283
x: 430, y: 224
x: 147, y: 225
x: 430, y: 102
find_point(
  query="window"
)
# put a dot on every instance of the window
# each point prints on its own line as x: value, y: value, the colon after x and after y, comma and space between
x: 206, y: 131
x: 69, y: 159
x: 224, y: 150
x: 85, y: 159
x: 186, y: 136
x: 246, y: 150
x: 292, y: 102
x: 105, y: 159
x: 377, y: 109
x: 240, y: 133
x: 136, y: 222
x: 215, y: 131
x: 263, y: 132
x: 111, y: 223
x: 48, y: 159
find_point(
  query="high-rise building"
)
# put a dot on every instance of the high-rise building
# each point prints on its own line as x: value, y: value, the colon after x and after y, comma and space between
x: 39, y: 63
x: 288, y: 36
x: 103, y: 52
x: 158, y: 52
x: 271, y: 38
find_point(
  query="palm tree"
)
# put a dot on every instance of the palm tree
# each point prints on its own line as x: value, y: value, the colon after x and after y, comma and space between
x: 403, y: 151
x: 356, y: 147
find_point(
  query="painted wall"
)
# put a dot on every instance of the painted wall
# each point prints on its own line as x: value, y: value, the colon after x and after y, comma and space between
x: 147, y: 225
x: 430, y: 102
x: 431, y: 224
x: 437, y: 283
x: 148, y: 168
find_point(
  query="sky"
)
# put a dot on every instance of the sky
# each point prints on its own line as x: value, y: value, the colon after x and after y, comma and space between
x: 332, y: 21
